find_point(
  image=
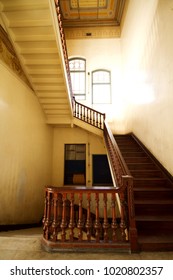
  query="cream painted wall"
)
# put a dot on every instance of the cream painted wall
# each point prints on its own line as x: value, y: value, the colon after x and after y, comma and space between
x: 62, y: 136
x: 147, y: 48
x: 101, y: 54
x: 25, y: 152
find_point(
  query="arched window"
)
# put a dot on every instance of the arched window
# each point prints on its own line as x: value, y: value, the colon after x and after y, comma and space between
x: 101, y: 87
x: 78, y: 77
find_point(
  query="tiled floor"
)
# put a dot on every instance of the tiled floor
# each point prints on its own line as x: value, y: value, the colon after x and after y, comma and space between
x: 26, y: 245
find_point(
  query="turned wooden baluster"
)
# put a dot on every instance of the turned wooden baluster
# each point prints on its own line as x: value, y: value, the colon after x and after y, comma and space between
x: 80, y: 111
x: 64, y: 218
x: 123, y: 215
x: 71, y: 223
x: 87, y: 116
x: 96, y: 123
x: 114, y: 225
x: 97, y: 225
x: 91, y: 116
x: 45, y: 215
x: 77, y: 110
x: 48, y: 216
x: 105, y: 222
x: 55, y: 216
x: 59, y: 210
x: 80, y: 223
x: 88, y: 221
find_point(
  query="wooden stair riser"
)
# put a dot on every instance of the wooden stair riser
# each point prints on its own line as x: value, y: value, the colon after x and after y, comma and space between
x: 153, y: 209
x: 154, y: 226
x: 130, y: 154
x: 150, y: 195
x: 142, y: 166
x: 148, y: 183
x: 147, y: 173
x: 135, y: 160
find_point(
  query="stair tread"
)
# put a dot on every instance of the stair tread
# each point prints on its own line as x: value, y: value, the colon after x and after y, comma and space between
x: 151, y: 189
x: 155, y: 237
x: 152, y: 179
x: 153, y: 201
x: 154, y: 218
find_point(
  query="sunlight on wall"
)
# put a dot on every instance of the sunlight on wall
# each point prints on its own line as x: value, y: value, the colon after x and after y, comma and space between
x: 3, y: 105
x: 138, y: 89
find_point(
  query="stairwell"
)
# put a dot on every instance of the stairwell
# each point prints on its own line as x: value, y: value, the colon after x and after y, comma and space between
x: 153, y: 195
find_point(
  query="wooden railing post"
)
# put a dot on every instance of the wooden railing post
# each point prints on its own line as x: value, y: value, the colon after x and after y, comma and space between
x: 105, y: 222
x: 71, y: 223
x: 88, y: 221
x: 133, y: 236
x: 55, y: 217
x: 80, y: 223
x: 97, y: 220
x: 48, y: 216
x: 114, y: 225
x: 64, y: 217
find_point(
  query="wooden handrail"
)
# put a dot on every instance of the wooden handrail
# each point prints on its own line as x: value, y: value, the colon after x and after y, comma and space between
x: 82, y: 217
x: 119, y: 167
x: 64, y: 47
x: 122, y: 179
x: 88, y: 115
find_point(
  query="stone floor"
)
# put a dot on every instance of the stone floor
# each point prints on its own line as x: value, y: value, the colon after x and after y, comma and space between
x: 26, y: 245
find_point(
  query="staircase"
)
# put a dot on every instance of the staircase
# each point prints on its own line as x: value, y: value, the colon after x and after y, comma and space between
x: 153, y: 195
x: 32, y: 27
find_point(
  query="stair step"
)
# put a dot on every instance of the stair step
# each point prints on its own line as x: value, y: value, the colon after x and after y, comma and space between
x: 156, y: 219
x: 137, y: 154
x: 134, y: 159
x: 151, y: 182
x: 155, y: 206
x: 142, y: 166
x: 154, y: 201
x: 146, y: 173
x: 155, y: 241
x: 150, y: 193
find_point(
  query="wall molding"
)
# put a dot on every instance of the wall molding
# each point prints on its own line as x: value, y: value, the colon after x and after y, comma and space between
x: 92, y: 32
x: 9, y: 57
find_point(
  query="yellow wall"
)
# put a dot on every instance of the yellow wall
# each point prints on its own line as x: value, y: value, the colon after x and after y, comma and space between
x: 62, y: 136
x: 25, y: 152
x: 100, y: 54
x: 147, y: 44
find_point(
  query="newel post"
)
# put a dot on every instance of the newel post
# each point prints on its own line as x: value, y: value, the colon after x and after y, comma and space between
x: 133, y: 236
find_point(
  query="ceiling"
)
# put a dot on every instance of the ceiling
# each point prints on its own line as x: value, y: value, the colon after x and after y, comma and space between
x: 92, y: 12
x: 83, y: 17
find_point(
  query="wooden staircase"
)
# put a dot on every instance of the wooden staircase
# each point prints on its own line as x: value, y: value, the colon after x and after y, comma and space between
x: 153, y: 195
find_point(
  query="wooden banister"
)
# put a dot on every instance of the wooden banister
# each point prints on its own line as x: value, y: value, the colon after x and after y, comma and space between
x: 88, y: 115
x: 64, y: 47
x: 98, y: 228
x: 122, y: 179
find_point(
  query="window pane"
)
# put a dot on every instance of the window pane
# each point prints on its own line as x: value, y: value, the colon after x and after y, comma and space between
x: 78, y: 77
x: 101, y: 86
x: 77, y: 65
x: 75, y: 151
x: 78, y: 82
x: 101, y: 94
x: 101, y: 77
